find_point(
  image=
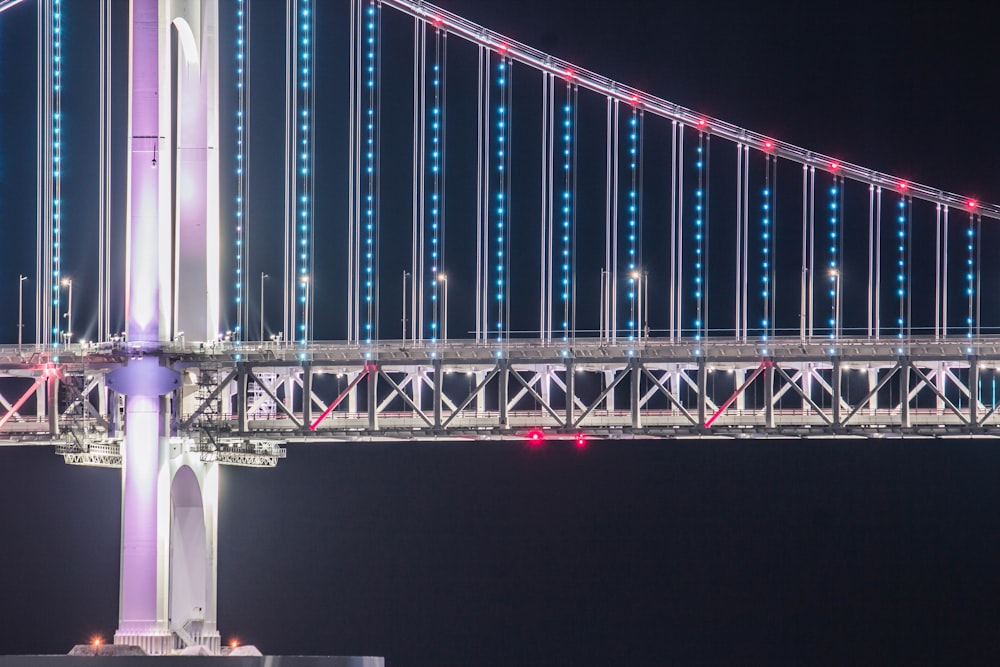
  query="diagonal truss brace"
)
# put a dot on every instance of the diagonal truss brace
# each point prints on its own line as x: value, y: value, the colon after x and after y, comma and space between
x: 764, y: 364
x: 205, y: 404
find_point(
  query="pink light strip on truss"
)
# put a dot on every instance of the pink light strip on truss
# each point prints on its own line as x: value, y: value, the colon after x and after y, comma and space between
x: 369, y: 370
x: 729, y: 401
x: 17, y: 406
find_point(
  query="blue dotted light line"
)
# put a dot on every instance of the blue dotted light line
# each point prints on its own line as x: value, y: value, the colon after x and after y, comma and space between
x: 305, y: 164
x: 567, y: 208
x: 57, y: 34
x: 834, y: 255
x: 901, y: 287
x: 633, y: 210
x: 502, y: 122
x: 970, y: 275
x: 699, y: 239
x: 435, y: 196
x: 371, y: 69
x: 240, y: 166
x: 765, y: 253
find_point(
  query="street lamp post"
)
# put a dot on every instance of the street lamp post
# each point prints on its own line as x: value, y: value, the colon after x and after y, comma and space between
x: 835, y: 278
x: 262, y: 276
x: 604, y: 305
x: 443, y: 279
x: 68, y: 284
x: 305, y: 309
x: 406, y: 275
x: 642, y: 315
x: 20, y: 309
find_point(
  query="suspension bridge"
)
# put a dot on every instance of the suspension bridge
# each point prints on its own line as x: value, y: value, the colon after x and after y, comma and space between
x: 523, y: 249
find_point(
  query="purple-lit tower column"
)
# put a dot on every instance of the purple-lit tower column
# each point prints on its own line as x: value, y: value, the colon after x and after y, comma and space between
x: 169, y: 496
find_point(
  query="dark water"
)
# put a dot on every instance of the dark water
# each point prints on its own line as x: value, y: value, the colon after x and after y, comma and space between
x: 627, y: 552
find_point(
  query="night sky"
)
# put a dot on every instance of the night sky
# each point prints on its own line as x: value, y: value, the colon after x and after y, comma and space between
x: 628, y: 552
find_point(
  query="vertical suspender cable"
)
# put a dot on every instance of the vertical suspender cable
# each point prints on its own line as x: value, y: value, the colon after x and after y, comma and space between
x: 944, y: 273
x: 607, y: 271
x: 415, y: 252
x: 56, y: 139
x: 545, y: 213
x: 242, y: 251
x: 674, y: 258
x: 738, y: 274
x: 102, y: 158
x: 937, y: 272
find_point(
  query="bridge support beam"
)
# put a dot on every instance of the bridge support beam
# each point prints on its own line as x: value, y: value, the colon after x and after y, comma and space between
x: 438, y: 393
x: 904, y: 393
x: 503, y: 380
x: 307, y: 395
x: 836, y: 382
x: 973, y: 392
x: 769, y: 393
x: 702, y: 392
x: 570, y: 393
x: 635, y: 393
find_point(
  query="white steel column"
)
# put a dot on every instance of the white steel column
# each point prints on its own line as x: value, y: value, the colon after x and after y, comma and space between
x: 169, y: 496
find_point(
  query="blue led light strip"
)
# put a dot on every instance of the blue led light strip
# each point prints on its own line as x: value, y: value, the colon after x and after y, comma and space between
x: 970, y: 275
x: 766, y: 262
x: 700, y: 203
x: 304, y: 232
x: 834, y: 276
x: 503, y: 81
x: 436, y: 176
x: 568, y: 209
x: 56, y: 92
x: 240, y: 209
x: 371, y: 180
x: 634, y: 283
x: 902, y: 238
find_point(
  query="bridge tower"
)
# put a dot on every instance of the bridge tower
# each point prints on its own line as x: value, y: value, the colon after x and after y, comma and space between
x: 169, y: 495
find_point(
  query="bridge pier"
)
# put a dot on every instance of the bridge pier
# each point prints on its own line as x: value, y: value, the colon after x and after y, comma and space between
x: 169, y: 495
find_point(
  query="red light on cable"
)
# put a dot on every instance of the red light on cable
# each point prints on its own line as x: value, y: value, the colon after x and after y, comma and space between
x: 569, y: 74
x: 634, y: 99
x: 835, y: 166
x: 903, y: 186
x: 971, y: 203
x: 702, y: 122
x: 502, y: 48
x: 438, y: 20
x: 768, y: 145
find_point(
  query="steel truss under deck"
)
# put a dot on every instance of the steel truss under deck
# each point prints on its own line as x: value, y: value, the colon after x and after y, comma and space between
x: 239, y: 403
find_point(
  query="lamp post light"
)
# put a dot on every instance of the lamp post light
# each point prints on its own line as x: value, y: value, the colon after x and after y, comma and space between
x: 406, y: 276
x: 604, y: 335
x: 443, y: 279
x: 20, y: 309
x: 835, y: 279
x: 68, y: 284
x: 262, y: 276
x: 641, y: 280
x: 305, y: 309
